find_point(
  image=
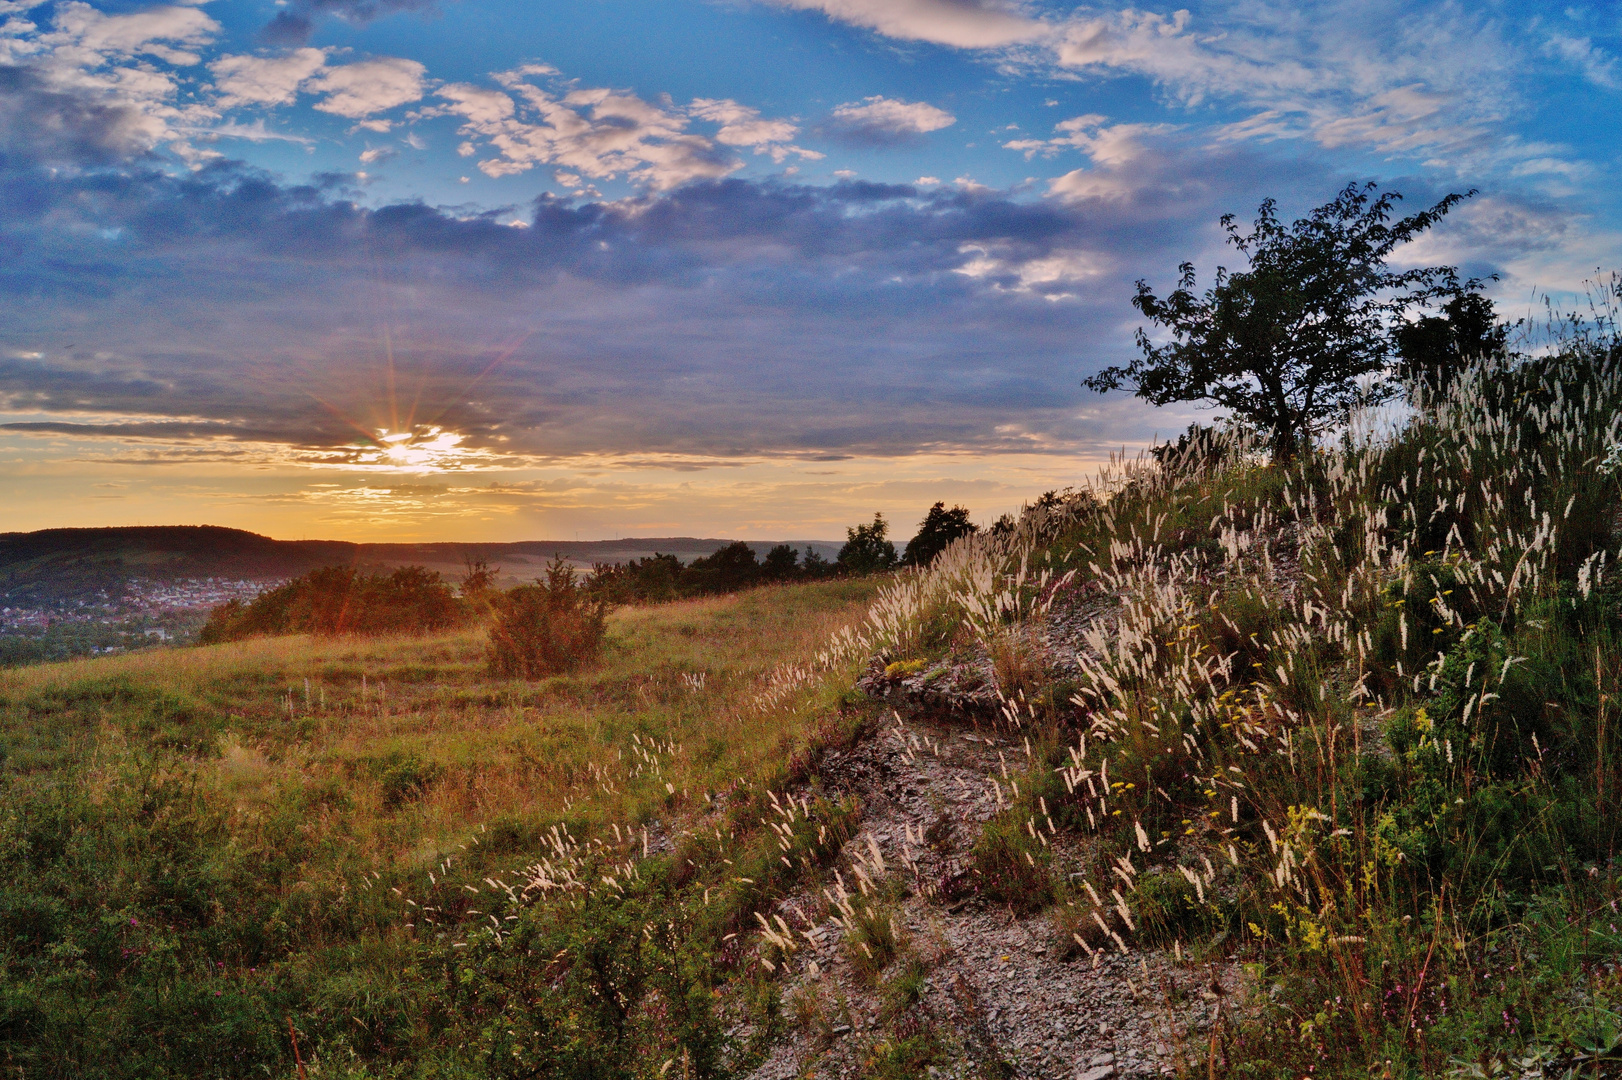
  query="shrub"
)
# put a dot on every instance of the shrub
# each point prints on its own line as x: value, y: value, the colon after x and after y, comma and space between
x: 1168, y: 909
x: 404, y: 778
x: 905, y: 989
x: 874, y: 938
x: 1012, y: 870
x: 336, y: 600
x: 546, y: 628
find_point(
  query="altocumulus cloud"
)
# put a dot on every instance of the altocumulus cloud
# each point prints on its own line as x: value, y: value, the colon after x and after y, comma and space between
x: 879, y: 121
x: 710, y: 315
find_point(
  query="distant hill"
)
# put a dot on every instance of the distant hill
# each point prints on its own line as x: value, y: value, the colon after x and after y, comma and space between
x: 57, y: 564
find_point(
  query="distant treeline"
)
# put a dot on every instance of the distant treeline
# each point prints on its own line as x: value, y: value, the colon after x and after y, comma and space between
x: 867, y: 550
x: 342, y: 600
x: 664, y: 577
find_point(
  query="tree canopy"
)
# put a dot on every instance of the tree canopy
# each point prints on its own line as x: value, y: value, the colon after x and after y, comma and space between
x: 1292, y: 343
x: 1437, y: 347
x: 938, y: 529
x: 868, y: 548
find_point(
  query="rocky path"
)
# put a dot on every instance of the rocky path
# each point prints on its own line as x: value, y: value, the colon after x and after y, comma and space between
x: 1000, y: 995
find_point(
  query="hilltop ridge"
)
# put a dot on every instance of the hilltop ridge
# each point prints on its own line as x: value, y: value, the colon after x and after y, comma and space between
x: 53, y: 565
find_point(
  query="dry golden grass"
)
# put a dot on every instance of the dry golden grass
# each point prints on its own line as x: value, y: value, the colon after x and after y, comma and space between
x: 395, y: 748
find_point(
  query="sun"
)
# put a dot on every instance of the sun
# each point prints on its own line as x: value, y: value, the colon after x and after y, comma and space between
x: 421, y: 450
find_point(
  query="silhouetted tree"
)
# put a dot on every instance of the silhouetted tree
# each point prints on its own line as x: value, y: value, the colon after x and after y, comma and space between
x: 780, y: 564
x: 727, y: 570
x: 1437, y: 347
x: 867, y: 548
x: 478, y: 578
x: 1199, y: 443
x: 647, y: 580
x: 938, y: 529
x: 1291, y: 343
x: 815, y: 567
x: 478, y: 587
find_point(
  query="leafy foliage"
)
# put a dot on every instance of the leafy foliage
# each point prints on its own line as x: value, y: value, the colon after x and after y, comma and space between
x: 658, y: 578
x: 1437, y: 347
x: 868, y: 549
x: 546, y: 628
x: 1287, y: 344
x: 939, y: 528
x: 341, y: 600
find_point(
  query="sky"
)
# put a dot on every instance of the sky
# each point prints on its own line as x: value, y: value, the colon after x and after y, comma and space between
x: 501, y: 270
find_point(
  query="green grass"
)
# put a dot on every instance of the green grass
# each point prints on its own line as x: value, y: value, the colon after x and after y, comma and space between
x: 1358, y: 717
x: 201, y: 847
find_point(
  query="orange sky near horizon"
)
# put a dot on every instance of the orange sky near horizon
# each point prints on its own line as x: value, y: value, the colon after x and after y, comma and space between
x: 77, y: 482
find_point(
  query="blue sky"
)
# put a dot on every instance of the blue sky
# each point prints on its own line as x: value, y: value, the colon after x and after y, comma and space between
x: 458, y: 268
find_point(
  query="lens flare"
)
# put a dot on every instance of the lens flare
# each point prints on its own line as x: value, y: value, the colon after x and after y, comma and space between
x: 422, y: 450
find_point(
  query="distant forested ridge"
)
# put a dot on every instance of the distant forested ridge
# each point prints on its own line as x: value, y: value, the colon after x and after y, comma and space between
x: 55, y: 565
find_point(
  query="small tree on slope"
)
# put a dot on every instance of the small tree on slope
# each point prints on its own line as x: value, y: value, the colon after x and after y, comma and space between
x: 1290, y: 344
x: 938, y: 529
x: 868, y: 548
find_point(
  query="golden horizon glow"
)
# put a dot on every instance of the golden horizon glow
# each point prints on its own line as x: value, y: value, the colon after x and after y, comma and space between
x: 420, y: 451
x: 432, y: 488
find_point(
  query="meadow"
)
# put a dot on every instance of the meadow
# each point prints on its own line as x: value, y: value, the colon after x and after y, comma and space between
x: 213, y: 854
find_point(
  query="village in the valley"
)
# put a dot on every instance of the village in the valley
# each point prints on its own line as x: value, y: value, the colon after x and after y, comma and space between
x: 117, y: 617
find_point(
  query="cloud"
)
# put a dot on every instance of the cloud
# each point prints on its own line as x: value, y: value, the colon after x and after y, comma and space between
x: 369, y: 86
x: 56, y: 127
x: 744, y: 126
x: 1597, y: 66
x: 480, y: 106
x: 265, y: 80
x: 1113, y: 145
x: 592, y: 132
x: 879, y: 121
x: 963, y: 24
x: 83, y: 51
x: 294, y: 25
x: 1318, y: 71
x: 1051, y: 276
x: 531, y: 117
x: 1139, y: 165
x: 158, y: 31
x: 712, y: 318
x: 99, y: 68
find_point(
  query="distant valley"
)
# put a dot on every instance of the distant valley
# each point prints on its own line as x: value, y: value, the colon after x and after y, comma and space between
x: 71, y: 592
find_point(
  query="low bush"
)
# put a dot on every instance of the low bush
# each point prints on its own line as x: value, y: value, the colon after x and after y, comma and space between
x: 1012, y: 869
x: 874, y: 938
x: 547, y: 628
x: 404, y: 778
x: 338, y: 600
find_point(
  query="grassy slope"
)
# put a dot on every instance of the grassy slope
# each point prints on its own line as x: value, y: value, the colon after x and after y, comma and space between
x: 1353, y: 726
x: 198, y: 845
